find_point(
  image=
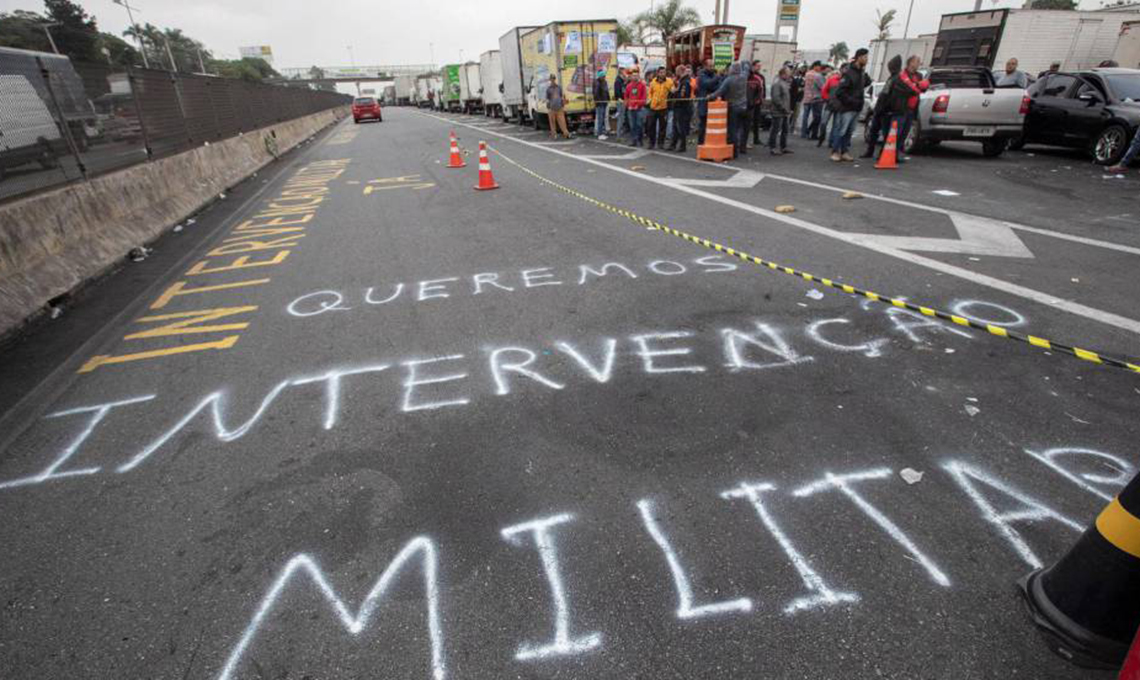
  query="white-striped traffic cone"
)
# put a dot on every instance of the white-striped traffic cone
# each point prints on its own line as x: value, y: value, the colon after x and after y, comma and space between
x: 486, y: 179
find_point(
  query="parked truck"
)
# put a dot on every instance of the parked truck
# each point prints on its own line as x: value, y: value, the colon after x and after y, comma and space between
x: 423, y: 88
x: 721, y: 43
x: 573, y: 52
x: 772, y: 55
x: 28, y: 131
x: 470, y: 88
x: 449, y: 89
x: 516, y: 75
x: 405, y: 90
x: 1036, y: 38
x: 964, y: 104
x: 491, y: 77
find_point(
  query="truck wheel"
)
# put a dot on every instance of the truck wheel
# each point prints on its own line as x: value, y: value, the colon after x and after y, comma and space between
x: 992, y: 148
x: 1110, y: 145
x: 1017, y: 143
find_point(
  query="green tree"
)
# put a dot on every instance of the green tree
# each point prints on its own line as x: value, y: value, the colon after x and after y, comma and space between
x: 631, y: 32
x: 121, y: 52
x: 838, y: 53
x: 23, y: 30
x: 670, y: 17
x: 1053, y: 4
x: 253, y: 70
x: 883, y: 21
x: 77, y: 35
x: 183, y: 48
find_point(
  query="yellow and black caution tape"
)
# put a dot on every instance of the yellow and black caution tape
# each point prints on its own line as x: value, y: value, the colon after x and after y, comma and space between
x: 1000, y: 331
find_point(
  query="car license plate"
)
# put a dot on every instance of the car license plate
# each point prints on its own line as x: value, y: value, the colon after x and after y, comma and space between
x: 980, y: 131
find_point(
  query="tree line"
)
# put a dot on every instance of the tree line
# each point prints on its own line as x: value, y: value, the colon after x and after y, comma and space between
x: 76, y: 34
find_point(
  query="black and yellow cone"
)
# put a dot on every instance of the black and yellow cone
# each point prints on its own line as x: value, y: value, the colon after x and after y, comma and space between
x: 1088, y: 604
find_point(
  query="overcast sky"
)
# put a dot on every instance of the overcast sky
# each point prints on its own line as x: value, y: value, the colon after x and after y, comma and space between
x: 307, y: 32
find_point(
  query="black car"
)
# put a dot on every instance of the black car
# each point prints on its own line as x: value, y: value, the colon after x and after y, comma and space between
x: 1098, y: 110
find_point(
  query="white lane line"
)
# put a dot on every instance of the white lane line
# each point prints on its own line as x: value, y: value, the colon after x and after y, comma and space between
x: 1105, y: 317
x: 919, y: 206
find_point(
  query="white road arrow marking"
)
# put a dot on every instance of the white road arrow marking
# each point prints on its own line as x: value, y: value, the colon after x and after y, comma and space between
x: 976, y: 236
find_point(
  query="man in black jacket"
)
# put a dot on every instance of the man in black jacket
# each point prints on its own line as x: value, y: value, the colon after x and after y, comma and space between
x: 849, y: 99
x: 601, y: 104
x: 707, y: 83
x: 884, y: 108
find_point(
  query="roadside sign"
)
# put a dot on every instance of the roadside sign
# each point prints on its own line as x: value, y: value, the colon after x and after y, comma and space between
x: 723, y: 54
x: 569, y: 61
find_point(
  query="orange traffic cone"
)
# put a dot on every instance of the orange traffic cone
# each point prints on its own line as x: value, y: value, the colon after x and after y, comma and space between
x: 889, y: 158
x: 716, y: 147
x: 486, y: 179
x: 456, y: 158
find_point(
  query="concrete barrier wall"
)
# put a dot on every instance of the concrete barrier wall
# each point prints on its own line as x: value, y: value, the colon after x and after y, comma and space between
x: 53, y: 242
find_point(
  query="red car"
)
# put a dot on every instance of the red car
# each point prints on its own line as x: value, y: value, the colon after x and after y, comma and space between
x: 366, y: 108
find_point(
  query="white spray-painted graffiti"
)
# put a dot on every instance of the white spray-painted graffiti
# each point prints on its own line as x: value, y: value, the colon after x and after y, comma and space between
x: 541, y: 533
x: 322, y: 301
x: 755, y: 346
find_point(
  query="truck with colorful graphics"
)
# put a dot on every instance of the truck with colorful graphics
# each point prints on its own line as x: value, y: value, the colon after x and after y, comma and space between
x: 573, y: 52
x: 450, y: 94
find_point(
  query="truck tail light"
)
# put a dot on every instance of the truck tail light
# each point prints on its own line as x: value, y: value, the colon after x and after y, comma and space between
x: 942, y: 103
x: 1025, y: 105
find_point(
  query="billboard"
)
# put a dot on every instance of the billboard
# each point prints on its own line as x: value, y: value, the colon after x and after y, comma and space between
x: 263, y: 52
x: 788, y: 14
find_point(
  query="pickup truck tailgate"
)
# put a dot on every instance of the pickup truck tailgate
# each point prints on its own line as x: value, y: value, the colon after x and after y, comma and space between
x: 980, y: 107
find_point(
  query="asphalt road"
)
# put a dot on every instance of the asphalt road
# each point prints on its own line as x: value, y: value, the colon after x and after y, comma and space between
x: 504, y: 434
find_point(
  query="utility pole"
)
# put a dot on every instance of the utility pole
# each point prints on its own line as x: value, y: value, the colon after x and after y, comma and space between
x: 202, y: 64
x: 977, y: 5
x: 724, y: 16
x: 51, y: 41
x: 138, y: 33
x: 716, y: 19
x: 166, y: 42
x: 906, y: 30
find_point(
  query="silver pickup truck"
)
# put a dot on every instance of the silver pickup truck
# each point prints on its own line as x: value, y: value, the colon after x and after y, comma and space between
x: 963, y: 104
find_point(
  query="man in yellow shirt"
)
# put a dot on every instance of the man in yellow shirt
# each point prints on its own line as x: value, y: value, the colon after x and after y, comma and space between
x: 659, y: 89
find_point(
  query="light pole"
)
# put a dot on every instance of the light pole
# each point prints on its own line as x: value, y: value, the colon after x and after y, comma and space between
x: 352, y: 62
x: 906, y: 30
x: 138, y: 33
x: 431, y: 46
x: 51, y: 41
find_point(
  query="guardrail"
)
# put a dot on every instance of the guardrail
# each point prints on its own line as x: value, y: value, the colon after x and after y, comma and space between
x: 64, y: 121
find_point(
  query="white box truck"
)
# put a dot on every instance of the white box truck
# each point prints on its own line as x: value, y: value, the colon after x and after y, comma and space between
x: 1035, y: 37
x: 1127, y: 52
x: 470, y: 88
x: 516, y: 75
x: 405, y: 90
x: 423, y: 87
x: 28, y: 131
x: 491, y: 77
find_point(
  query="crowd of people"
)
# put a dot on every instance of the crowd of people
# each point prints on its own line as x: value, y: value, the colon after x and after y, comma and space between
x: 664, y: 110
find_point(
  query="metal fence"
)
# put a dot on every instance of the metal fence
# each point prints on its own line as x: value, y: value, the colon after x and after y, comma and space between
x: 62, y: 121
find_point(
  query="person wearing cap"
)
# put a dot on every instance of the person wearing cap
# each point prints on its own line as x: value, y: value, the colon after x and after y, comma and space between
x: 601, y: 104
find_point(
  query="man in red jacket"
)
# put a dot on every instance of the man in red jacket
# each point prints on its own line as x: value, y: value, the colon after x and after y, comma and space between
x: 636, y: 95
x: 914, y: 80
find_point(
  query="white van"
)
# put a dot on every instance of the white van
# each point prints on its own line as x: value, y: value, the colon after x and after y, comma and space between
x: 28, y: 132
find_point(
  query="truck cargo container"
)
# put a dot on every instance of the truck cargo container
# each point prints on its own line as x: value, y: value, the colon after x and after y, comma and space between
x: 449, y: 88
x: 883, y: 50
x: 405, y: 90
x: 573, y: 52
x: 491, y: 76
x: 423, y: 88
x: 1036, y: 38
x: 516, y: 75
x: 470, y: 88
x: 721, y: 43
x: 772, y: 55
x: 1127, y: 52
